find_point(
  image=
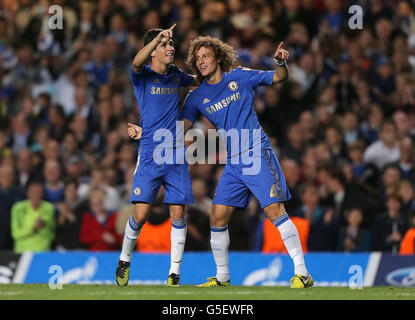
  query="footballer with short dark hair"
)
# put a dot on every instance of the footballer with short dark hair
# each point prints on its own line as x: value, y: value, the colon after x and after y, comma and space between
x: 157, y: 90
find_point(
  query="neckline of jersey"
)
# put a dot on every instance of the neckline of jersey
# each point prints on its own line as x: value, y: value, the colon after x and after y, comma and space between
x: 215, y: 84
x: 159, y: 74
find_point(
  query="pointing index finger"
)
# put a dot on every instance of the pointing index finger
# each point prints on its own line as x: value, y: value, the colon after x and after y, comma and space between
x: 280, y: 45
x: 172, y: 27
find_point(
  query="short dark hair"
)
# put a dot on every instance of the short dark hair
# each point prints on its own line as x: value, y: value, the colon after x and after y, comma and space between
x: 36, y: 180
x: 150, y: 35
x: 394, y: 195
x: 337, y: 174
x: 71, y: 180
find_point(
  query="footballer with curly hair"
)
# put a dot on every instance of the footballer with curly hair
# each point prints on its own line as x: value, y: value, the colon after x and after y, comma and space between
x: 226, y: 98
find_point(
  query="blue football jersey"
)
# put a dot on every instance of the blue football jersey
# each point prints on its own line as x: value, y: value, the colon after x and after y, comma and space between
x: 158, y: 98
x: 229, y: 105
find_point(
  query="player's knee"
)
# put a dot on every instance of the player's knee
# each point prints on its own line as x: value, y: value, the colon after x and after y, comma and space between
x: 217, y: 222
x: 218, y: 218
x: 274, y: 210
x: 141, y: 213
x: 140, y: 218
x: 177, y: 212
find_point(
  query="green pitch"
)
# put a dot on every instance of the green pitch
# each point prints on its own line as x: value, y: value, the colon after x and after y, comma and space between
x: 141, y: 292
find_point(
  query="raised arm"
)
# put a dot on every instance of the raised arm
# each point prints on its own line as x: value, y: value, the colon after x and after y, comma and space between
x: 142, y: 56
x: 281, y: 73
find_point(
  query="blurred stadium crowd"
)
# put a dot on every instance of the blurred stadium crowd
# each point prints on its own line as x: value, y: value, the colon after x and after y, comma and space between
x: 343, y: 127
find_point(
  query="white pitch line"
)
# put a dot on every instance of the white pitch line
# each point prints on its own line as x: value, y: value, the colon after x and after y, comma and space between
x: 10, y: 293
x: 169, y: 293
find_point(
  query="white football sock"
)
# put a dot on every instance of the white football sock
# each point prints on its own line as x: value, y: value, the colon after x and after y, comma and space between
x: 131, y: 233
x: 289, y: 235
x: 178, y: 239
x: 219, y: 242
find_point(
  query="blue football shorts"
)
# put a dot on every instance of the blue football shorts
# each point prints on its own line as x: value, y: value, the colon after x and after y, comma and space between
x: 268, y: 185
x: 150, y: 176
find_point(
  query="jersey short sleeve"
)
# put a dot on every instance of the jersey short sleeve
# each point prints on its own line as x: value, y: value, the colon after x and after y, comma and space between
x: 138, y: 77
x: 190, y: 111
x: 187, y: 80
x: 257, y: 77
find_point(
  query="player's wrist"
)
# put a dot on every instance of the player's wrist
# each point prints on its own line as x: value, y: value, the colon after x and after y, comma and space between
x: 280, y: 62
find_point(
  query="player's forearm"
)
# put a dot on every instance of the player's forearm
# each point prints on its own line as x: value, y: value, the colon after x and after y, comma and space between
x: 142, y: 56
x: 281, y: 74
x: 187, y: 125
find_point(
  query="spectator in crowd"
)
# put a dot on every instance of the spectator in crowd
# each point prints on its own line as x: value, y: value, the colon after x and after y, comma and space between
x: 10, y: 193
x: 407, y: 157
x: 54, y: 187
x: 386, y: 149
x: 41, y: 136
x: 309, y: 165
x: 51, y: 149
x: 33, y: 221
x: 371, y: 125
x: 365, y: 174
x: 407, y: 245
x: 322, y: 225
x: 292, y: 176
x: 391, y: 177
x: 124, y: 188
x: 389, y: 227
x: 336, y: 145
x: 346, y: 196
x: 25, y: 167
x: 112, y: 200
x: 400, y: 118
x: 69, y: 217
x: 58, y: 122
x: 127, y: 208
x: 155, y: 234
x: 71, y: 149
x: 97, y: 230
x: 272, y: 242
x: 307, y: 126
x: 21, y: 137
x: 323, y: 232
x: 345, y: 90
x: 406, y: 190
x: 311, y: 208
x: 352, y: 237
x: 40, y: 112
x: 198, y: 236
x: 293, y: 148
x: 86, y: 29
x: 350, y: 125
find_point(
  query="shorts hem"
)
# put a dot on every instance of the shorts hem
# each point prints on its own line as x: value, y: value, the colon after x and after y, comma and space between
x: 274, y: 201
x: 179, y: 202
x: 236, y: 205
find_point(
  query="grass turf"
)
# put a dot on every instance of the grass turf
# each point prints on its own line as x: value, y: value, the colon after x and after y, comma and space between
x: 186, y: 292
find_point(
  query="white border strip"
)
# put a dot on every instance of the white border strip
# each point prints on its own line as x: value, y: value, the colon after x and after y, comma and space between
x: 372, y: 269
x: 22, y: 267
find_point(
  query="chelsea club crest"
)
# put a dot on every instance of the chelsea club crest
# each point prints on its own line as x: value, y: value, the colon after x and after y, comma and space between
x: 233, y: 85
x: 137, y: 191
